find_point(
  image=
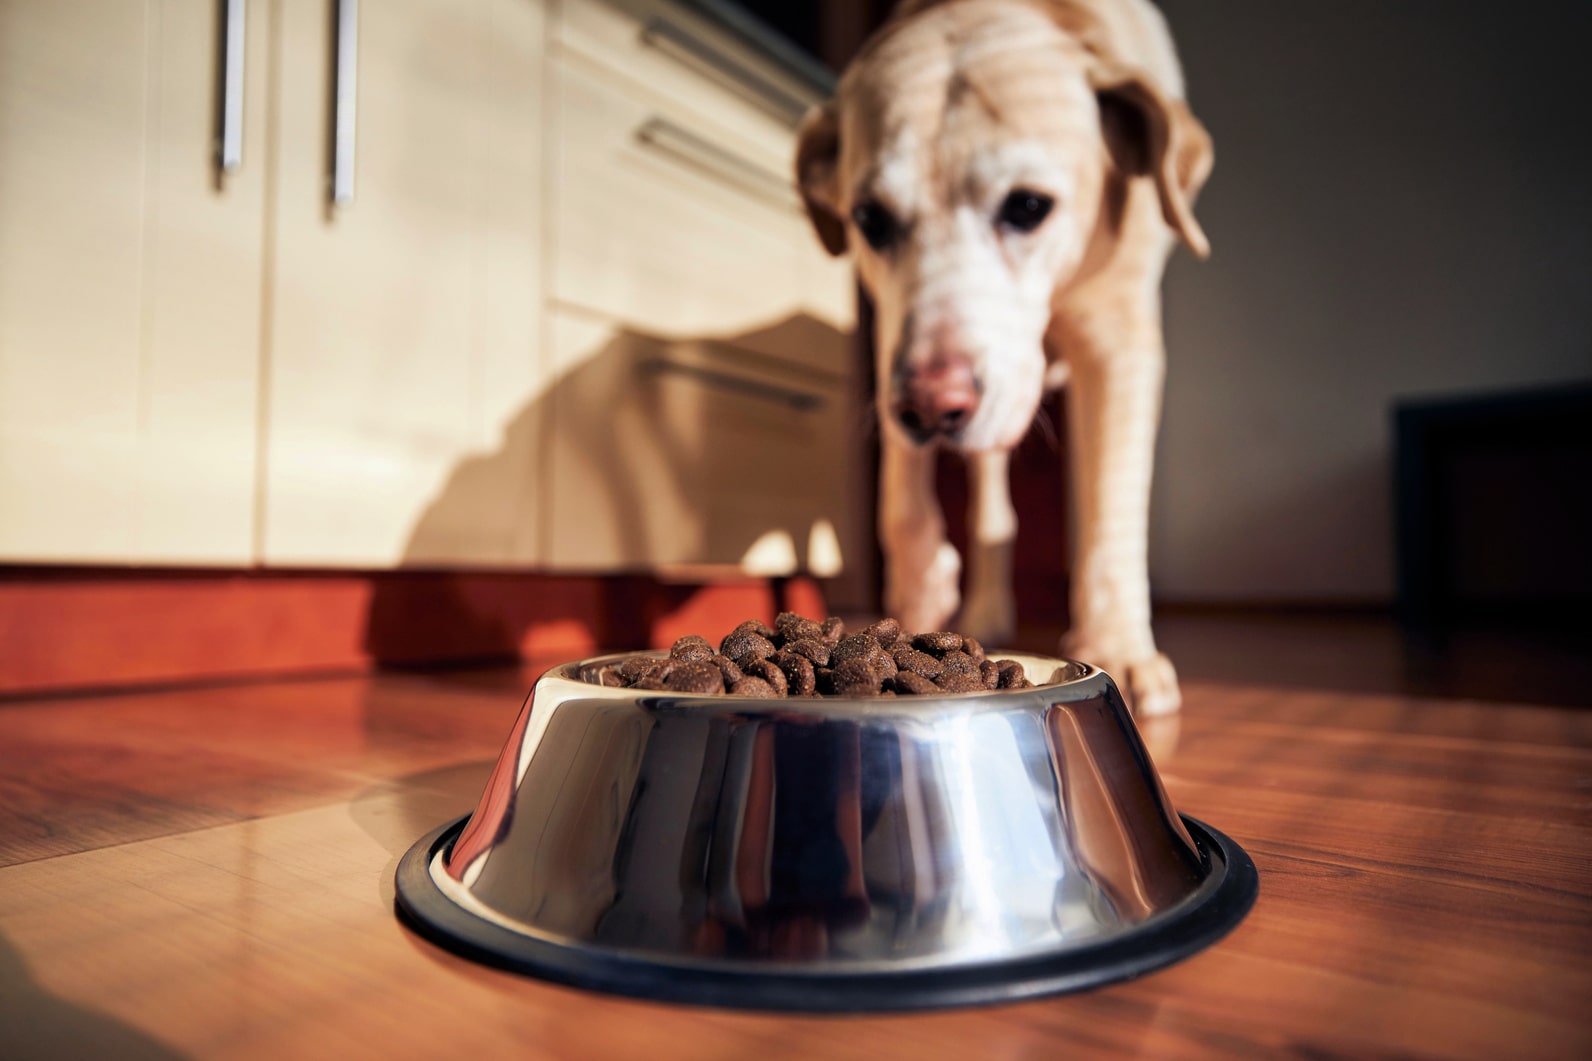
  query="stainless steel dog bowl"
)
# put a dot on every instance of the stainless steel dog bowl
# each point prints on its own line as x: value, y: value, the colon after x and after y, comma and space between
x: 827, y: 854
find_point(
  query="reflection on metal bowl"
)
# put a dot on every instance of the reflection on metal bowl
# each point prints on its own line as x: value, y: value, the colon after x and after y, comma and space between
x: 827, y: 854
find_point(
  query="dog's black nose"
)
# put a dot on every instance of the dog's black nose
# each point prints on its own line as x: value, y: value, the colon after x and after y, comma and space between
x: 938, y: 398
x: 952, y: 419
x: 949, y: 422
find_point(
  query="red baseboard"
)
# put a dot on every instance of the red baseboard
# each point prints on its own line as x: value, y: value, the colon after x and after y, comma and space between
x: 67, y: 629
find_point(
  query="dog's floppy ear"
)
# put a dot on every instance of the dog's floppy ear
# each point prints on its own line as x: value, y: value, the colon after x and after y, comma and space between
x: 817, y: 157
x: 1150, y: 135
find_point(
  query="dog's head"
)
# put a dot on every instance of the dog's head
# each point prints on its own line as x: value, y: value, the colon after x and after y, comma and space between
x: 964, y: 163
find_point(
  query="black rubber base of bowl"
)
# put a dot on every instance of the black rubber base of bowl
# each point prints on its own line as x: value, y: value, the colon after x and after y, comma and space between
x: 1161, y: 942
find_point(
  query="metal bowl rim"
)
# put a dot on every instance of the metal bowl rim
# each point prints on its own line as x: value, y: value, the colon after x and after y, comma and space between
x: 1087, y: 681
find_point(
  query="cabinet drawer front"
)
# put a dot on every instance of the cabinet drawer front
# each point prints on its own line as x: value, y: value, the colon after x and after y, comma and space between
x: 682, y: 56
x: 667, y: 225
x: 669, y: 454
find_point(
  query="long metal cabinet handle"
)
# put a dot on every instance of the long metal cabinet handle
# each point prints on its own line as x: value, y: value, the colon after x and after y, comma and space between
x: 345, y: 100
x: 229, y: 149
x: 679, y: 43
x: 662, y: 135
x: 799, y: 400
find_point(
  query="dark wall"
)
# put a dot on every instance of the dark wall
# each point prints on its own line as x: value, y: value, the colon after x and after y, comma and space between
x: 1400, y: 207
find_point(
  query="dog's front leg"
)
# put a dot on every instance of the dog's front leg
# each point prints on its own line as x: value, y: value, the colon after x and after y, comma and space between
x: 921, y: 568
x: 1113, y: 405
x: 989, y: 613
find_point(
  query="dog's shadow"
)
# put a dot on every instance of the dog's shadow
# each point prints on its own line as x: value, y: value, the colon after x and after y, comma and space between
x: 649, y: 453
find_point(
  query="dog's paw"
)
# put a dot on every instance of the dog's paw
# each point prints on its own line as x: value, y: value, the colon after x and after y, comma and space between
x: 1149, y: 683
x: 1152, y: 687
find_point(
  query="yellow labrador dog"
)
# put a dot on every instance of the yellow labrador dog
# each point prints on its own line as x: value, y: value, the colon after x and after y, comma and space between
x: 1010, y: 177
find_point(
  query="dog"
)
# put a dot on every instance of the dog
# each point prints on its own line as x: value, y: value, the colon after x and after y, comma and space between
x: 1010, y: 178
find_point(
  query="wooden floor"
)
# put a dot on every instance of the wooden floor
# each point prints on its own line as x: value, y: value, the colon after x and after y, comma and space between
x: 208, y: 872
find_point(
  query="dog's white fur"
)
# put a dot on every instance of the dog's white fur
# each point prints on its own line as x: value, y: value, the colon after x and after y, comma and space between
x: 949, y: 109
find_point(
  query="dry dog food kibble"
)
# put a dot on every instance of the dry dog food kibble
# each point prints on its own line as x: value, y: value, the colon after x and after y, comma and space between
x: 798, y: 656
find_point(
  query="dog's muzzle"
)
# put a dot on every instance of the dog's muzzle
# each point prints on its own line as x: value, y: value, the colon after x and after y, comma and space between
x: 936, y: 399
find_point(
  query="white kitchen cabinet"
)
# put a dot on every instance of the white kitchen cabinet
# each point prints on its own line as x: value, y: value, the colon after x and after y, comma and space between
x: 539, y: 198
x: 403, y: 330
x: 130, y: 284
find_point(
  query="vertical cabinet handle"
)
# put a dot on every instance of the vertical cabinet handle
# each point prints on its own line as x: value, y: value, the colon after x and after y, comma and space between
x: 229, y: 148
x: 344, y: 102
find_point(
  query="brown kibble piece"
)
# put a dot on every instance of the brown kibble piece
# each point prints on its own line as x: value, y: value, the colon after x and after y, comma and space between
x: 728, y: 668
x: 650, y: 668
x: 990, y: 672
x: 857, y: 646
x: 816, y: 651
x: 882, y: 662
x: 743, y: 646
x: 855, y: 677
x: 699, y: 676
x: 793, y: 627
x: 913, y: 684
x: 770, y: 672
x: 800, y: 677
x: 691, y: 648
x: 885, y: 631
x: 824, y: 680
x: 922, y: 664
x: 834, y: 629
x: 938, y: 642
x: 755, y: 626
x: 959, y: 662
x: 806, y: 630
x: 755, y: 688
x: 957, y: 682
x: 971, y: 646
x: 1011, y: 673
x: 633, y: 668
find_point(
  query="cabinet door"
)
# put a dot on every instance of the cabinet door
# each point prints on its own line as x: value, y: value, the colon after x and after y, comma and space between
x: 403, y: 343
x: 677, y: 454
x: 129, y: 285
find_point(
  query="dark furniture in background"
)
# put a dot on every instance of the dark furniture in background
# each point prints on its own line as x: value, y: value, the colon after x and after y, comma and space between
x: 1494, y: 510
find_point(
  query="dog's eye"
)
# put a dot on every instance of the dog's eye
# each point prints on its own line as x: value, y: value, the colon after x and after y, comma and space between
x: 877, y: 225
x: 1025, y: 210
